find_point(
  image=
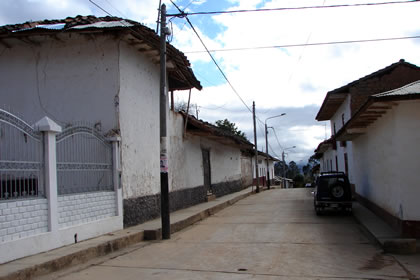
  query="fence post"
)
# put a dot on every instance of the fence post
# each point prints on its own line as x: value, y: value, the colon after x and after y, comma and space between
x: 49, y: 129
x: 116, y: 173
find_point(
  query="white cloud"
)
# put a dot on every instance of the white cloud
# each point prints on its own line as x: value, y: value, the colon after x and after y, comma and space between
x: 291, y: 79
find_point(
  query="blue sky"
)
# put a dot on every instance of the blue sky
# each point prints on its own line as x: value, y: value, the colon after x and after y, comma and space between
x: 288, y: 80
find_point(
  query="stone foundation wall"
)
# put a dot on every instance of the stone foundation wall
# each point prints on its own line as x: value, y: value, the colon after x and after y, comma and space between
x: 141, y: 209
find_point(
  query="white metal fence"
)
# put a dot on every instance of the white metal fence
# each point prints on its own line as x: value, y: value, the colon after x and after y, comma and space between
x: 84, y: 161
x: 21, y: 159
x: 52, y: 181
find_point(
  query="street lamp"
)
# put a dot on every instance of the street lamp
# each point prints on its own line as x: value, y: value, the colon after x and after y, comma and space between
x: 266, y: 146
x: 284, y: 165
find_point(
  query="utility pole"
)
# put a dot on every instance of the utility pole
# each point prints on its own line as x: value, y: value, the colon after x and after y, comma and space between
x: 163, y: 99
x: 266, y: 151
x: 284, y: 169
x: 256, y: 148
x: 266, y: 147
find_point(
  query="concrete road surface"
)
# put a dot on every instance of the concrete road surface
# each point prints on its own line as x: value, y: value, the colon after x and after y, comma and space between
x: 271, y: 235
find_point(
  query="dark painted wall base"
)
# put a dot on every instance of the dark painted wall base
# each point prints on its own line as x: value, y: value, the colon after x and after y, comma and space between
x: 408, y: 229
x: 141, y: 209
x: 221, y: 189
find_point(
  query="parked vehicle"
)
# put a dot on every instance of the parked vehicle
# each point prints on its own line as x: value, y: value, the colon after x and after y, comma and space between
x: 332, y: 192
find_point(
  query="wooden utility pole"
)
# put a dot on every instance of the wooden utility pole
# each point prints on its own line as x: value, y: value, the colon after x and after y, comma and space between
x: 163, y: 99
x: 256, y: 148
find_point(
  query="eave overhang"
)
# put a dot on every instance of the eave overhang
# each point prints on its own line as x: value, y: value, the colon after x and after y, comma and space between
x: 374, y: 108
x: 331, y: 103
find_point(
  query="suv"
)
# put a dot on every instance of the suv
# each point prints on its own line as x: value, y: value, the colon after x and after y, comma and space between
x: 332, y: 191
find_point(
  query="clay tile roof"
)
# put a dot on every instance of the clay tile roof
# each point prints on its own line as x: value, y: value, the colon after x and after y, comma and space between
x: 410, y: 89
x: 180, y: 75
x: 211, y: 131
x: 335, y: 98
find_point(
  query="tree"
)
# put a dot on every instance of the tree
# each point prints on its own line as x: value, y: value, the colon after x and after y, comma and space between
x: 280, y: 168
x: 183, y: 106
x: 293, y: 170
x: 307, y: 169
x: 231, y: 127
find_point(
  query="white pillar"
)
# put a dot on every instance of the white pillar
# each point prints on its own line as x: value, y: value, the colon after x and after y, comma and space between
x: 116, y: 173
x: 49, y: 129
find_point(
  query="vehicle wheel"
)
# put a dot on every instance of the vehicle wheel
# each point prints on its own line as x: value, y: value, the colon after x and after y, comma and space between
x: 337, y: 191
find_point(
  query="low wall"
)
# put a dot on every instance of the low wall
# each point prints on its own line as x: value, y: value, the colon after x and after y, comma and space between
x: 23, y: 218
x: 85, y: 207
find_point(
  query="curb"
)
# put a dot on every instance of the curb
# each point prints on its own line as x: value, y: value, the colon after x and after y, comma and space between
x: 390, y: 241
x: 123, y: 239
x: 76, y: 258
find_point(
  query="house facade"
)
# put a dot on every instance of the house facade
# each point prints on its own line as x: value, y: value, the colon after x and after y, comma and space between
x: 84, y: 79
x: 341, y: 104
x: 368, y: 140
x: 204, y: 160
x: 262, y: 168
x: 385, y: 133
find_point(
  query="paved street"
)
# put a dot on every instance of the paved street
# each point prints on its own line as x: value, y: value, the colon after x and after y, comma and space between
x: 271, y: 235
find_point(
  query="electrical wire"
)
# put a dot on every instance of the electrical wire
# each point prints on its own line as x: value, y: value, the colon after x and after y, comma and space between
x: 211, y: 56
x: 183, y: 14
x: 278, y: 142
x: 102, y: 9
x: 311, y: 44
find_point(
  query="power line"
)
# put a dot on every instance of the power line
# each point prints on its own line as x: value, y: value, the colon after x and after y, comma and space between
x: 183, y: 14
x: 211, y: 56
x: 311, y: 44
x: 278, y: 142
x: 102, y: 9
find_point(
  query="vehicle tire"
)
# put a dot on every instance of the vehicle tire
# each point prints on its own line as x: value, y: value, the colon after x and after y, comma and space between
x: 318, y: 211
x: 337, y: 191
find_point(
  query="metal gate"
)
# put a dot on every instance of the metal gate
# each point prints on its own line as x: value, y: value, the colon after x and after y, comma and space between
x: 21, y: 159
x: 84, y: 161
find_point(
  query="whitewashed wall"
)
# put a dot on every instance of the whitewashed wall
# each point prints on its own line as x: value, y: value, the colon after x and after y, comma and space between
x: 139, y: 123
x: 387, y: 161
x: 186, y: 161
x: 339, y: 153
x: 262, y: 167
x: 70, y: 81
x: 185, y: 156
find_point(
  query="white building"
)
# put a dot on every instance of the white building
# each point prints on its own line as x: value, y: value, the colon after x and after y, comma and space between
x: 262, y: 168
x: 385, y: 133
x: 341, y: 104
x: 99, y: 72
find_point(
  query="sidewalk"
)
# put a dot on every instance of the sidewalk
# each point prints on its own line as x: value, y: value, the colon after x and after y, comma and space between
x: 382, y: 233
x: 64, y: 257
